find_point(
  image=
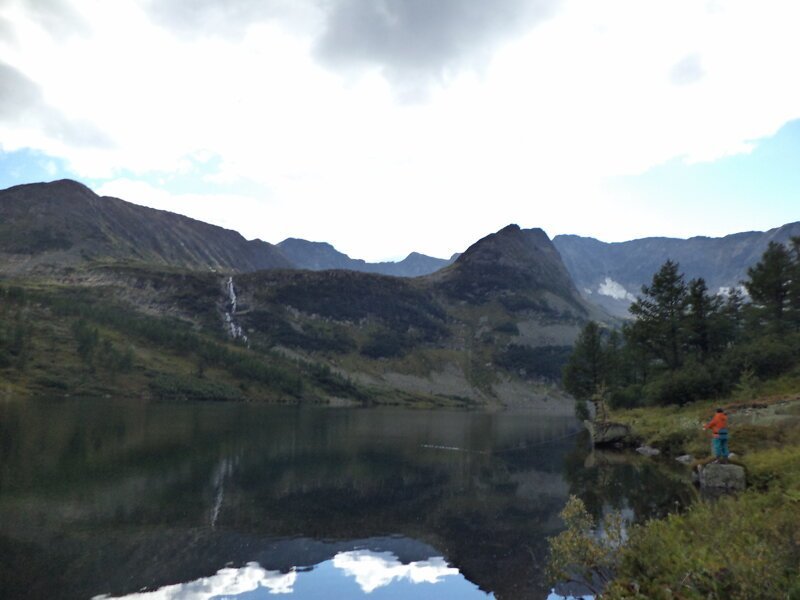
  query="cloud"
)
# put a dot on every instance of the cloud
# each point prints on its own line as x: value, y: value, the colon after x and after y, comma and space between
x: 418, y: 40
x: 687, y: 71
x: 57, y: 17
x: 22, y: 103
x: 231, y: 18
x: 535, y: 107
x: 414, y: 43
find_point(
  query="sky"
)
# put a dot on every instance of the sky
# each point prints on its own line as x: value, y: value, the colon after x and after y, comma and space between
x: 391, y: 126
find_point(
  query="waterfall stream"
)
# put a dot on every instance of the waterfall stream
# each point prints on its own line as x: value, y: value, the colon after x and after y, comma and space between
x: 234, y: 329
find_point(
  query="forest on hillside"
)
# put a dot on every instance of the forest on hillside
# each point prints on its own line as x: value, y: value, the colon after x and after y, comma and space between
x: 685, y: 343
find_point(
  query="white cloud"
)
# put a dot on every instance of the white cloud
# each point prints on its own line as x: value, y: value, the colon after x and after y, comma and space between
x: 585, y: 95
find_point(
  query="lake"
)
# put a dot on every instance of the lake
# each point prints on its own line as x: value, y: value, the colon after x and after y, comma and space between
x: 107, y: 499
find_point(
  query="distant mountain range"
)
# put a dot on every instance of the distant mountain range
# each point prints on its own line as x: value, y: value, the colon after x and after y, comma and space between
x: 319, y: 256
x: 300, y: 321
x: 612, y: 274
x: 294, y: 322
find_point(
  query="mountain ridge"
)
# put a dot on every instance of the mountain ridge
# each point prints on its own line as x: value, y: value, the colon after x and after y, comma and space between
x: 319, y: 256
x: 64, y: 223
x: 611, y: 274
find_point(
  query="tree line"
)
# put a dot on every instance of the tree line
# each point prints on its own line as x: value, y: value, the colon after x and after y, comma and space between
x: 685, y: 343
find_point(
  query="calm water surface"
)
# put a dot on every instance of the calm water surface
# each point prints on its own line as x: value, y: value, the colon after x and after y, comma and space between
x: 156, y: 501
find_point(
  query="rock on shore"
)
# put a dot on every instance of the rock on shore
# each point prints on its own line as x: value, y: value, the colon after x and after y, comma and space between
x: 722, y: 477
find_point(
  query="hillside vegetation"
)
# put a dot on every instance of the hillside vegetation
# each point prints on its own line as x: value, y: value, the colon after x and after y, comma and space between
x: 686, y: 353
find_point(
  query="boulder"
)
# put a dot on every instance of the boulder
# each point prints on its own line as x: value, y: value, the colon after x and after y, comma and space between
x: 685, y: 459
x: 648, y: 451
x: 722, y: 477
x: 606, y: 432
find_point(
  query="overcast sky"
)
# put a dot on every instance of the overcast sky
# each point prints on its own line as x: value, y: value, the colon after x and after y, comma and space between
x: 386, y: 126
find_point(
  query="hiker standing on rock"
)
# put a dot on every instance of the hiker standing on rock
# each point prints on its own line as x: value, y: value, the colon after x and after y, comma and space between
x: 719, y: 427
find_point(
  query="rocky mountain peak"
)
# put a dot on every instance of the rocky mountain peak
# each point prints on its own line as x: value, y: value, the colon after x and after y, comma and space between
x: 512, y: 261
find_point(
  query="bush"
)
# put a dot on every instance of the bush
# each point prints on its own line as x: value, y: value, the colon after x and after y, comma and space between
x: 687, y: 384
x: 767, y: 357
x: 742, y: 547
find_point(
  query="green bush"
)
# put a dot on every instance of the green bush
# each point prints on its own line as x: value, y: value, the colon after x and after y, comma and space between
x: 736, y: 548
x: 767, y: 357
x: 691, y: 382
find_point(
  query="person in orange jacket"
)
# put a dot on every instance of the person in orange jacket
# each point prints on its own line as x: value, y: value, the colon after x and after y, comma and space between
x: 719, y: 427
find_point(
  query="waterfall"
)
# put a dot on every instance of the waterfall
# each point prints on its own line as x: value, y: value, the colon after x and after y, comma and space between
x: 234, y: 329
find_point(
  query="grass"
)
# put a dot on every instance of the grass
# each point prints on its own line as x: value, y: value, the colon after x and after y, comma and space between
x: 745, y: 546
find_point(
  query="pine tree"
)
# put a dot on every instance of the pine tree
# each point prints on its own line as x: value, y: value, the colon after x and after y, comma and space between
x: 705, y: 320
x: 585, y: 370
x: 659, y: 315
x: 794, y: 285
x: 769, y: 286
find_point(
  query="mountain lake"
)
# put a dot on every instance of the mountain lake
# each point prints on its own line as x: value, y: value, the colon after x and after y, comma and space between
x: 112, y: 499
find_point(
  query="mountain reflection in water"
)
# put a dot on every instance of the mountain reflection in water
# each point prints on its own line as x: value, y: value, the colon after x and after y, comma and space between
x: 114, y: 499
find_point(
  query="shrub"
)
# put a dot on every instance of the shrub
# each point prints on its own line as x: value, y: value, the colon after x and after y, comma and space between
x: 691, y: 382
x: 742, y: 547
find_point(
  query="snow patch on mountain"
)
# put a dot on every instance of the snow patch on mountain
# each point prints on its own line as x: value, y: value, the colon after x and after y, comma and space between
x: 615, y: 290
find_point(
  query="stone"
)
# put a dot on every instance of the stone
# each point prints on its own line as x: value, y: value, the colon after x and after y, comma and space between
x: 605, y: 432
x: 722, y: 477
x: 685, y: 459
x: 648, y: 451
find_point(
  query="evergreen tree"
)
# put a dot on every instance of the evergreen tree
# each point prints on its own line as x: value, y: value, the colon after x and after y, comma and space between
x: 733, y: 317
x: 705, y: 326
x: 659, y: 315
x: 585, y: 370
x: 769, y: 287
x: 794, y: 285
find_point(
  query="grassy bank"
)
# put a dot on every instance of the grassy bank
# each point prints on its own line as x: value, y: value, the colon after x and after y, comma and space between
x: 745, y: 546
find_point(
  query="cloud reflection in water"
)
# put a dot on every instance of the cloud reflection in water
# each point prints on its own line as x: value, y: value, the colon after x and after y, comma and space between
x: 228, y: 582
x: 378, y: 569
x: 371, y: 570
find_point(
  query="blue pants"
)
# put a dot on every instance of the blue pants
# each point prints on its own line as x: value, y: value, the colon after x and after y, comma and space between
x: 720, y: 446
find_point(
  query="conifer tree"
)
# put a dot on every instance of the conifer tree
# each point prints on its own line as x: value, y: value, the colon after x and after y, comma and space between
x: 659, y: 315
x: 769, y: 284
x: 585, y: 371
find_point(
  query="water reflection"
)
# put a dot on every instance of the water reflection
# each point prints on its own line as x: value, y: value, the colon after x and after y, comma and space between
x: 370, y: 570
x: 226, y: 582
x: 121, y: 498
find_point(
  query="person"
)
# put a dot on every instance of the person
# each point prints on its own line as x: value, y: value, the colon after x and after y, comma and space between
x: 719, y: 427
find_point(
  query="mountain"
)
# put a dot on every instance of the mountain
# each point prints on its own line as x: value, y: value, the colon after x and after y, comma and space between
x: 612, y: 274
x: 99, y: 296
x: 511, y: 263
x: 319, y: 256
x: 46, y: 226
